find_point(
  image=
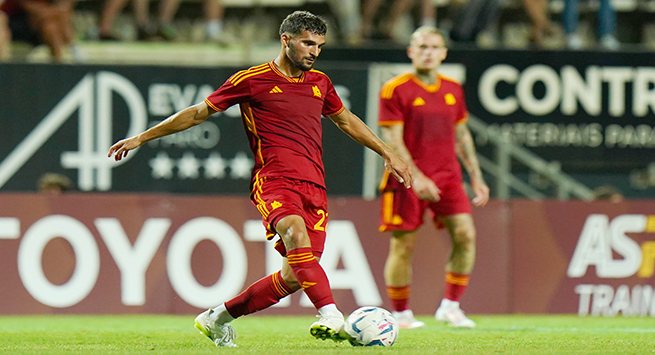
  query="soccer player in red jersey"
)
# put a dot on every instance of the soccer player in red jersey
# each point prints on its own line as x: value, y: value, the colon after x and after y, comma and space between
x: 423, y: 118
x: 281, y: 106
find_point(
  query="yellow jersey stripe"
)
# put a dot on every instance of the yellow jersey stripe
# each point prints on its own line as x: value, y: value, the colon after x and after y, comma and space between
x: 249, y: 70
x: 387, y: 89
x: 242, y: 78
x: 249, y: 118
x: 212, y: 105
x: 390, y: 123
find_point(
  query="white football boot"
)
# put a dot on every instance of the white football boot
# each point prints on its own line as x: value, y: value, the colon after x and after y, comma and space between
x: 329, y: 326
x: 220, y: 334
x: 449, y: 312
x: 406, y: 319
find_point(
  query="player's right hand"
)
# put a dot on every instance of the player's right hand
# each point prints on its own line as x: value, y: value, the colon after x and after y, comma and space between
x: 120, y: 148
x: 426, y: 189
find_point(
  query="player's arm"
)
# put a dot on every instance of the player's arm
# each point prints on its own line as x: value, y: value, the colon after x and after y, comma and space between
x: 187, y: 118
x: 423, y: 186
x: 359, y: 131
x: 466, y: 153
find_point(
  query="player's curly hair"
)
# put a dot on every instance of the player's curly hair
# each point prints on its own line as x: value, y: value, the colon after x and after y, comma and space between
x: 300, y: 21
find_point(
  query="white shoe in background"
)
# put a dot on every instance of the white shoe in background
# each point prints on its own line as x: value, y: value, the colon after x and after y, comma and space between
x: 449, y: 312
x: 406, y: 319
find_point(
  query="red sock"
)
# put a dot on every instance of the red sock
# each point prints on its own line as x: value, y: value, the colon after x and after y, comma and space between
x: 399, y: 297
x: 456, y: 285
x: 262, y: 294
x: 311, y: 276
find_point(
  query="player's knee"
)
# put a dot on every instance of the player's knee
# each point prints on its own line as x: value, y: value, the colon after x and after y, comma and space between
x: 293, y: 233
x: 295, y: 239
x: 464, y: 237
x: 402, y: 250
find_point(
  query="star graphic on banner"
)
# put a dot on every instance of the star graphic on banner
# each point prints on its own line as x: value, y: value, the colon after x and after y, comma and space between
x: 240, y: 166
x: 162, y: 166
x: 187, y: 166
x: 214, y: 166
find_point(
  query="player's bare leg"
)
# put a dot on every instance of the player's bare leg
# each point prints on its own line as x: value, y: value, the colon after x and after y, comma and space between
x: 309, y: 275
x: 458, y: 269
x: 5, y: 38
x: 398, y: 277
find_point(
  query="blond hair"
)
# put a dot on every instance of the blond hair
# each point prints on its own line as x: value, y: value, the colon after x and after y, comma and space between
x: 427, y: 30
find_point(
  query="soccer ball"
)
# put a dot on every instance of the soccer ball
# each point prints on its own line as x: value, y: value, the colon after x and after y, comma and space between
x: 369, y: 326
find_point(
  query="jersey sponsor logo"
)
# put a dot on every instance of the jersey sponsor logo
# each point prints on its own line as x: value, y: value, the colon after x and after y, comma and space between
x: 450, y: 99
x: 276, y: 90
x: 418, y: 101
x: 276, y: 204
x: 316, y: 90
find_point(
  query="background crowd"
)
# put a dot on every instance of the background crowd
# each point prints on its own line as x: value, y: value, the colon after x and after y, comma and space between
x: 62, y: 25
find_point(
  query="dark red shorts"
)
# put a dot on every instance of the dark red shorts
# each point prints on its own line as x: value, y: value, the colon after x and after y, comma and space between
x: 402, y: 210
x: 281, y: 197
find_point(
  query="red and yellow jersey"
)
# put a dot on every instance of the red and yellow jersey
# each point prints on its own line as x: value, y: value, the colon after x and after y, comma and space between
x: 282, y: 118
x: 429, y: 114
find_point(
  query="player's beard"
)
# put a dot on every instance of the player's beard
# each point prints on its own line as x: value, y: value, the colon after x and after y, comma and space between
x: 299, y: 63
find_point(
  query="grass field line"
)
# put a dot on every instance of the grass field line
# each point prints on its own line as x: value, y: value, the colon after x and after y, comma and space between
x: 573, y: 329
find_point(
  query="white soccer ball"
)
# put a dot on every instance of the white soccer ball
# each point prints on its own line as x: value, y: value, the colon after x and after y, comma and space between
x: 370, y: 326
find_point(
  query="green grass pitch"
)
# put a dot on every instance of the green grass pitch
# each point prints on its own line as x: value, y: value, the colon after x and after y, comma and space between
x: 165, y: 334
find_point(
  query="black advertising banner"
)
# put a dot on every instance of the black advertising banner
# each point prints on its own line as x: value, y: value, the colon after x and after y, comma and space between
x: 63, y: 119
x: 593, y: 112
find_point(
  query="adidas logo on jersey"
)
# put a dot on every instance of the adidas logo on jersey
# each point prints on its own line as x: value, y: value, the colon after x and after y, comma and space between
x: 418, y: 101
x: 275, y: 90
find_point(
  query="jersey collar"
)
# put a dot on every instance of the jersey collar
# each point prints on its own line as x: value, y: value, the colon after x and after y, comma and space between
x: 289, y: 78
x: 429, y: 88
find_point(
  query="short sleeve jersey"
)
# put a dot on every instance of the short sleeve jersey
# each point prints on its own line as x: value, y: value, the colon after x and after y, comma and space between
x: 429, y: 114
x: 282, y: 118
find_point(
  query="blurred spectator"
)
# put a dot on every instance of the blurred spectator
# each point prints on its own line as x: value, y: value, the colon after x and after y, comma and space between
x: 349, y: 19
x: 112, y: 8
x: 473, y: 17
x: 163, y: 28
x: 541, y: 26
x: 53, y: 183
x: 144, y: 31
x: 214, y: 11
x: 49, y: 22
x: 606, y: 19
x: 398, y: 9
x: 607, y: 192
x: 5, y: 35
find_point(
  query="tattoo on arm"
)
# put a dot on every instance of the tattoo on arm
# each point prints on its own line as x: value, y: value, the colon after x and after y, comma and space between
x: 466, y: 151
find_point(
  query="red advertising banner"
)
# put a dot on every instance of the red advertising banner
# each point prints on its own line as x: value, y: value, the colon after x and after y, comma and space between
x: 141, y: 253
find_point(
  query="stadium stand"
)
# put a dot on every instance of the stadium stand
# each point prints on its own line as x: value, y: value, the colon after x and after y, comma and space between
x: 251, y: 26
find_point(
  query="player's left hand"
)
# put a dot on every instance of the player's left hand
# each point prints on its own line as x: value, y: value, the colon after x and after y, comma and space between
x: 481, y: 191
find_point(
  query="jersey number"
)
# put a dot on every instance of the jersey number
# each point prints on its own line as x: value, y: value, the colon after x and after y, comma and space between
x: 320, y: 226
